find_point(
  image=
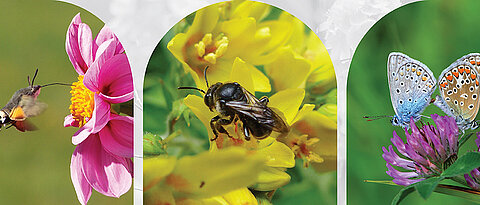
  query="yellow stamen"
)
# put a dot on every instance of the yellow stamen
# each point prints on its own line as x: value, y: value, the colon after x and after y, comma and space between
x: 200, y: 46
x: 82, y: 102
x: 209, y: 48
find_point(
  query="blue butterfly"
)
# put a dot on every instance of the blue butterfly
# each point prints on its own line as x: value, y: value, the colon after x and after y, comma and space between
x: 411, y: 85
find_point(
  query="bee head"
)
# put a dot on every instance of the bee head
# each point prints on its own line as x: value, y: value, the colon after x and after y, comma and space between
x: 208, y: 98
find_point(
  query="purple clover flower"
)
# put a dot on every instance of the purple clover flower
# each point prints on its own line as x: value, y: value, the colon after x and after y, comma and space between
x: 428, y: 151
x: 473, y: 181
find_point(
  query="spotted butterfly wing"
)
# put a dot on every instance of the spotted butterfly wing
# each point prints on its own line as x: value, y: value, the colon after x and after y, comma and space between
x: 411, y: 84
x: 473, y: 59
x: 459, y: 93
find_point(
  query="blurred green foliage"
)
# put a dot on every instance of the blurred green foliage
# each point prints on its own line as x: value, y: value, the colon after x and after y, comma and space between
x: 433, y: 32
x: 35, y: 166
x: 166, y: 117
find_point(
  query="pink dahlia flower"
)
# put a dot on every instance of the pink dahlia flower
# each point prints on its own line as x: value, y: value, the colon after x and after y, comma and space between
x: 104, y: 141
x: 428, y: 152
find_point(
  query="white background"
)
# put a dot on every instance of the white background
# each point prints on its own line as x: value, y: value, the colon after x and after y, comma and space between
x: 140, y: 24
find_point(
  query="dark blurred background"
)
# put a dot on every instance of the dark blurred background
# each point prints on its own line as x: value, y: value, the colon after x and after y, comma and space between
x: 434, y: 32
x: 35, y: 166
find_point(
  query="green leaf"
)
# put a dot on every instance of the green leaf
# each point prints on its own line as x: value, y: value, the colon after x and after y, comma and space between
x: 153, y: 145
x: 463, y: 165
x: 404, y: 192
x: 426, y: 187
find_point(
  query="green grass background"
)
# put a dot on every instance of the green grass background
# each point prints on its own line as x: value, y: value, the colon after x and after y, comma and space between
x: 35, y: 166
x: 433, y: 32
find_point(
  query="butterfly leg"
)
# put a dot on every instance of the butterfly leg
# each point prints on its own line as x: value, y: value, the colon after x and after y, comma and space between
x: 264, y: 100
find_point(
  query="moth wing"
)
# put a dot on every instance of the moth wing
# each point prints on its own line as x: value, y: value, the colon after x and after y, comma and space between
x: 17, y: 114
x: 23, y: 126
x: 31, y: 107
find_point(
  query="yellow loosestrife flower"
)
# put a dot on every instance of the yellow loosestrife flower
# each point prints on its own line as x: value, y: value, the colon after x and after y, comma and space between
x: 217, y: 42
x: 168, y: 180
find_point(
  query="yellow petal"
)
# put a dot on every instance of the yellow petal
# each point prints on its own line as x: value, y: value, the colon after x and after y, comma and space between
x: 319, y: 126
x: 241, y: 196
x: 288, y: 102
x: 241, y: 74
x: 288, y: 70
x: 280, y: 32
x: 277, y: 154
x: 218, y: 200
x: 155, y: 169
x: 261, y: 82
x: 239, y: 31
x: 160, y: 195
x: 271, y: 179
x: 297, y: 38
x: 198, y: 107
x: 205, y: 21
x: 305, y: 109
x: 211, y: 174
x: 253, y: 9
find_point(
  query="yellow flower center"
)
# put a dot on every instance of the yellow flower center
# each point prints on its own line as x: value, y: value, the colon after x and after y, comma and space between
x: 209, y: 49
x: 82, y: 102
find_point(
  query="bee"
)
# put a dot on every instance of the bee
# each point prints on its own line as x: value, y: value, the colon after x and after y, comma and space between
x: 233, y: 103
x: 22, y: 105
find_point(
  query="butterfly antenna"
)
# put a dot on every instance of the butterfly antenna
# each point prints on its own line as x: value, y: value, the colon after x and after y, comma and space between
x: 65, y: 84
x: 205, y: 75
x: 191, y: 88
x: 372, y: 118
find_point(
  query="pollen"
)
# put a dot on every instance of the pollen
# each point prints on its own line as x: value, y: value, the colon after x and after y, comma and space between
x: 82, y: 102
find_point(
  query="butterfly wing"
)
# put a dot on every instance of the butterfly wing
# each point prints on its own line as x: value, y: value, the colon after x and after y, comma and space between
x: 411, y: 84
x: 459, y: 91
x: 473, y: 59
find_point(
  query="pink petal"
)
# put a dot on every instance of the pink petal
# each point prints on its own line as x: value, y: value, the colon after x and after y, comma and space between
x: 80, y: 183
x: 108, y: 174
x: 104, y: 53
x: 106, y: 34
x: 69, y: 121
x: 115, y: 80
x: 78, y: 45
x: 100, y: 117
x: 85, y: 43
x: 117, y: 136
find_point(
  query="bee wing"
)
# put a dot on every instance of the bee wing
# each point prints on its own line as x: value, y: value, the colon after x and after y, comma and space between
x: 260, y: 113
x: 31, y: 107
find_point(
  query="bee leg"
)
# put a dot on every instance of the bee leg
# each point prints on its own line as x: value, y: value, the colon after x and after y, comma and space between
x: 223, y: 121
x: 214, y: 129
x: 264, y: 100
x: 246, y: 133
